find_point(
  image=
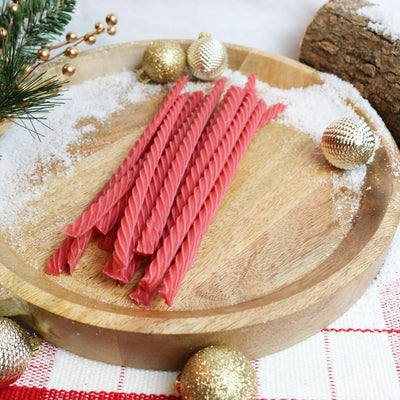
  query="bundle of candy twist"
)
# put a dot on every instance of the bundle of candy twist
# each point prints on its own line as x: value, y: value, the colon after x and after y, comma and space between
x: 160, y: 202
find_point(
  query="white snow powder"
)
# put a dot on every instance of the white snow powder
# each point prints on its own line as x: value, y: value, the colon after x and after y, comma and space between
x: 384, y: 18
x: 22, y: 154
x: 309, y: 110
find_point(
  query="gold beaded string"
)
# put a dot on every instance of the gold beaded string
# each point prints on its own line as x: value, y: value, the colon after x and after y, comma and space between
x: 73, y: 42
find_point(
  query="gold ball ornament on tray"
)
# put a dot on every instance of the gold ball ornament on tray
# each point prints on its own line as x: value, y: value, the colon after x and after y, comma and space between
x: 348, y: 143
x: 207, y: 58
x: 16, y: 349
x: 163, y: 61
x: 218, y: 373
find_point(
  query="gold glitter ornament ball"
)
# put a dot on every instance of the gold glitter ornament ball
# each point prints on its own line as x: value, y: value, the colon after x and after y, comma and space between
x: 218, y: 373
x: 348, y: 143
x: 15, y: 351
x: 207, y: 58
x: 164, y: 61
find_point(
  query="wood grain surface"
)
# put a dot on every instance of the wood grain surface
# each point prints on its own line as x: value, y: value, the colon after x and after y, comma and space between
x: 276, y: 266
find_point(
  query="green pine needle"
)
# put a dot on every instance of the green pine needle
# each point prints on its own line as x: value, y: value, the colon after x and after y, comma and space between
x: 25, y: 95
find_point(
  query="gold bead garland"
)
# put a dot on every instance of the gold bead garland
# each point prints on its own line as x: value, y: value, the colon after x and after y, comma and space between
x: 74, y: 41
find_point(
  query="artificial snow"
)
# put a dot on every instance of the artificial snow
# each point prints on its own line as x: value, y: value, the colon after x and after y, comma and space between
x: 309, y: 110
x: 384, y: 18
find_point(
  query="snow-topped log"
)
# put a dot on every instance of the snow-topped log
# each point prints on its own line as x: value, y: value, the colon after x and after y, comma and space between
x: 342, y: 41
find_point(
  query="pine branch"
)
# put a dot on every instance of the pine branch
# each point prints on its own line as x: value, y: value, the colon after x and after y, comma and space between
x: 30, y: 93
x: 37, y: 22
x: 26, y: 29
x: 24, y: 95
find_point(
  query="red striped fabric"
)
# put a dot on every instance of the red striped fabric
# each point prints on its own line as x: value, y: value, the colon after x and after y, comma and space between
x: 356, y: 357
x: 34, y: 393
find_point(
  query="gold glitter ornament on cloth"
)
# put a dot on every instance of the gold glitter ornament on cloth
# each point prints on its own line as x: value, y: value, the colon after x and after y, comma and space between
x: 207, y: 58
x: 163, y: 61
x: 348, y: 143
x: 16, y: 349
x: 218, y: 373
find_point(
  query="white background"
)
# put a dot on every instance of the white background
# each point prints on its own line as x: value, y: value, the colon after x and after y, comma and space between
x: 275, y: 26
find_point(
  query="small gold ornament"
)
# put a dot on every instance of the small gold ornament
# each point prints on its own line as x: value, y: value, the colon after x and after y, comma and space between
x: 16, y: 351
x: 3, y: 33
x: 218, y: 373
x: 12, y: 7
x: 163, y: 61
x: 71, y: 37
x: 44, y: 54
x: 71, y: 52
x: 348, y: 143
x: 112, y: 30
x: 89, y: 39
x: 111, y: 19
x: 68, y: 69
x: 99, y: 27
x: 207, y: 58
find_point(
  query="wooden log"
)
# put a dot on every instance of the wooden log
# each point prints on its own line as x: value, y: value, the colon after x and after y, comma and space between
x: 338, y: 41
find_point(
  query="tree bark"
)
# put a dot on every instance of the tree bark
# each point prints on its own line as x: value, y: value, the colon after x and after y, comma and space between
x: 338, y: 41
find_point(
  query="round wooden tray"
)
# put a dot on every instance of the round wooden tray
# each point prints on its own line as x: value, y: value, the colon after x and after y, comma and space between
x: 276, y: 266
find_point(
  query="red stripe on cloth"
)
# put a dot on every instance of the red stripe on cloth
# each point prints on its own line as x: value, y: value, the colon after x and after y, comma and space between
x: 329, y: 366
x: 256, y: 366
x: 358, y: 330
x: 34, y: 393
x: 27, y: 393
x: 121, y: 379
